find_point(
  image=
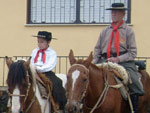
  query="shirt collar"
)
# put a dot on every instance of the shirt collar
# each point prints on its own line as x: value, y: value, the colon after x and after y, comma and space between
x: 46, y: 49
x: 122, y: 26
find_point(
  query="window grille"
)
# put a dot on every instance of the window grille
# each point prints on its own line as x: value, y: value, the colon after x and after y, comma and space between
x: 72, y: 11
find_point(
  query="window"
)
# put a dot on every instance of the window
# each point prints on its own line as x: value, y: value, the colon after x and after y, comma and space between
x: 72, y: 11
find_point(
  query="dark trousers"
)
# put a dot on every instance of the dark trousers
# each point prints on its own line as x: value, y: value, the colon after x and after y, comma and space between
x: 58, y: 92
x: 136, y: 86
x: 135, y: 100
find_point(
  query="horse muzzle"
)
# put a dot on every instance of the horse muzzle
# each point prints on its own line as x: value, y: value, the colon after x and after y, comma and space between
x: 73, y: 107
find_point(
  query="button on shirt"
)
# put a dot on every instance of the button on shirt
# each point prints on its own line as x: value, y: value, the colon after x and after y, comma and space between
x: 50, y: 63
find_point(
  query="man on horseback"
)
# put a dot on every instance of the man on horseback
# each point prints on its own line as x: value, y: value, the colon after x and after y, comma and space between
x: 44, y: 60
x: 117, y: 44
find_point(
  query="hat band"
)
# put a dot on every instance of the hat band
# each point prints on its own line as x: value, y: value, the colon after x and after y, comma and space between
x: 42, y: 36
x: 119, y: 7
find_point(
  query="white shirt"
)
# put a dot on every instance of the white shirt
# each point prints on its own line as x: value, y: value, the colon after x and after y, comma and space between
x: 50, y: 63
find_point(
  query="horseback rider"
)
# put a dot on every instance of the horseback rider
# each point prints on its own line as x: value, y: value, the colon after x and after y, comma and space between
x: 44, y: 59
x: 117, y: 44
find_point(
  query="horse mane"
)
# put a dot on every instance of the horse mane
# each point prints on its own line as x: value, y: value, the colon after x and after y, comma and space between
x: 32, y: 72
x: 80, y: 61
x: 17, y: 73
x: 96, y: 70
x: 93, y: 67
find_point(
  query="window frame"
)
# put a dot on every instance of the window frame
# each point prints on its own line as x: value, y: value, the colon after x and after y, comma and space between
x: 28, y: 20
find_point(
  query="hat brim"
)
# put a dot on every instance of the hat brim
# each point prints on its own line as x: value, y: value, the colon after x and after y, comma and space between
x: 39, y: 36
x: 117, y: 8
x: 42, y: 36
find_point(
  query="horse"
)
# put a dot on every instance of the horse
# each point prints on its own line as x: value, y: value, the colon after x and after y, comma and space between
x: 22, y: 89
x: 89, y: 89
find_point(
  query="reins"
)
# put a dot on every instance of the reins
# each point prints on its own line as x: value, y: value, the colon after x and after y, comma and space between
x: 33, y: 99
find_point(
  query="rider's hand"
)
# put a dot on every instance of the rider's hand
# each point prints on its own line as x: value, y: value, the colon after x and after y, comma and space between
x: 113, y: 59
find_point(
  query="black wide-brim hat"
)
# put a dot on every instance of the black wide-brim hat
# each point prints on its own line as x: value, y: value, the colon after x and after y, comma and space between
x: 45, y: 35
x: 117, y: 6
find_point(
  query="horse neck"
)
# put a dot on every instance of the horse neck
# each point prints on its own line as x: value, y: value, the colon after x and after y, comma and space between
x: 96, y: 80
x: 31, y: 88
x: 31, y: 98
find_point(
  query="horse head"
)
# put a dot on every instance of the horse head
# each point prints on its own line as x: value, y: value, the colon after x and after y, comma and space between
x: 77, y: 82
x: 18, y: 81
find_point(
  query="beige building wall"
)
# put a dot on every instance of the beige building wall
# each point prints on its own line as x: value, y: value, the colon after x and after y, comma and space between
x: 16, y: 36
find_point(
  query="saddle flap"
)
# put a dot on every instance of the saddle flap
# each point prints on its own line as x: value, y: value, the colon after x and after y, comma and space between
x: 123, y: 89
x: 43, y: 82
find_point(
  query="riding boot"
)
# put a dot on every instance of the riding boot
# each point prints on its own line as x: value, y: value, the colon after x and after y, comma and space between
x: 134, y: 99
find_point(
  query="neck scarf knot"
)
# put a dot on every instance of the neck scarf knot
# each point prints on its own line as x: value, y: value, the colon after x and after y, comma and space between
x: 43, y: 55
x: 116, y: 40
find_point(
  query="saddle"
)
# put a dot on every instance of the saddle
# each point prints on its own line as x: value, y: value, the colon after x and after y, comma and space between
x: 45, y: 87
x: 118, y: 70
x: 121, y: 76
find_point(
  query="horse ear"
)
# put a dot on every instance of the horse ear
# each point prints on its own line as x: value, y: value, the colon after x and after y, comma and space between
x: 89, y: 60
x: 8, y: 61
x: 71, y: 57
x: 27, y: 63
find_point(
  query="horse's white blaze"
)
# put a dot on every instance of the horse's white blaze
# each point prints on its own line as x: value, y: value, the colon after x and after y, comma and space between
x: 75, y: 76
x: 16, y: 101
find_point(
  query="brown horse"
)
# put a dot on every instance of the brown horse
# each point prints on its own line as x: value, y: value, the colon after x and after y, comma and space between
x: 90, y: 85
x: 22, y: 89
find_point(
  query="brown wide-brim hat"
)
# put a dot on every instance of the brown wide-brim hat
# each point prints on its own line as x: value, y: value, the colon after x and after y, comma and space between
x: 117, y: 6
x: 45, y: 35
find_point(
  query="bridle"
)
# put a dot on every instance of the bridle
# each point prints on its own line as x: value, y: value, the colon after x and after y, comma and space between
x: 102, y: 97
x: 85, y: 90
x: 25, y: 96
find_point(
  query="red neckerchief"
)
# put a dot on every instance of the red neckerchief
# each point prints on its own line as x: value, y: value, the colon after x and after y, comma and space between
x: 43, y: 55
x: 117, y: 39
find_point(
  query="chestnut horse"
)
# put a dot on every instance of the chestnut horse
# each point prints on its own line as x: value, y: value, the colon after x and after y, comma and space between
x: 22, y: 89
x: 90, y: 85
